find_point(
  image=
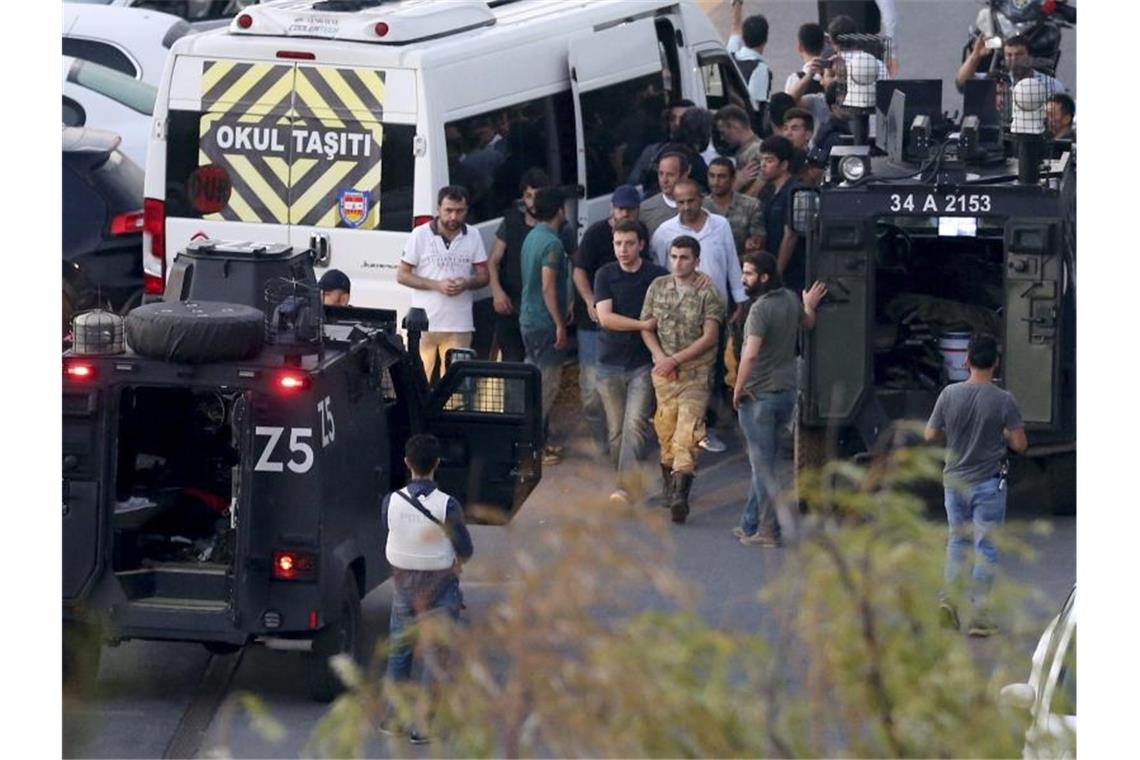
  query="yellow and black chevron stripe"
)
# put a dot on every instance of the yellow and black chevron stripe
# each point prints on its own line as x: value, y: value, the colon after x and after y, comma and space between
x: 292, y: 137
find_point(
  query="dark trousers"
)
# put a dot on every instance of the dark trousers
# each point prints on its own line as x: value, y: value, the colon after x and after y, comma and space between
x: 865, y: 14
x: 483, y: 340
x: 718, y: 387
x: 509, y: 337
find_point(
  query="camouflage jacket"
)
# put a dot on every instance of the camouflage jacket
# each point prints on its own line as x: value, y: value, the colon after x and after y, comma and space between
x: 681, y: 315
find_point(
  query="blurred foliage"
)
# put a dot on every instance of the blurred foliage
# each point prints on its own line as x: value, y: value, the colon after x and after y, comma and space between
x: 595, y: 647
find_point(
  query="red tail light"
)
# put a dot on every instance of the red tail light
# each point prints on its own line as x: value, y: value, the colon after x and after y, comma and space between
x: 289, y: 382
x: 79, y: 370
x: 128, y: 223
x: 381, y: 29
x: 154, y: 246
x: 299, y: 55
x: 294, y: 566
x: 245, y: 21
x: 417, y: 221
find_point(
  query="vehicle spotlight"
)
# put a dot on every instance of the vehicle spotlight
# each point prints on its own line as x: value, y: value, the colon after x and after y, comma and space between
x: 850, y: 162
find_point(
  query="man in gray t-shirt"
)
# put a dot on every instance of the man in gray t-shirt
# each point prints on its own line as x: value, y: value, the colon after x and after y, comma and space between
x: 765, y: 391
x: 979, y: 422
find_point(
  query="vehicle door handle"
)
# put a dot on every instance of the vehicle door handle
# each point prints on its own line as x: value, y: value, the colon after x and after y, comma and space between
x: 322, y: 253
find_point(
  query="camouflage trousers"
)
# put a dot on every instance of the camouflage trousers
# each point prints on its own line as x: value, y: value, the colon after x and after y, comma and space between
x: 680, y: 417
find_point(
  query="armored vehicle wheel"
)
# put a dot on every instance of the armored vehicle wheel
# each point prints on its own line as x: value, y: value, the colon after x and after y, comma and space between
x: 339, y: 637
x: 195, y: 332
x: 82, y: 650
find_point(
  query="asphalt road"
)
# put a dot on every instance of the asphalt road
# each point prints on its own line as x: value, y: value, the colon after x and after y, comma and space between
x: 145, y: 689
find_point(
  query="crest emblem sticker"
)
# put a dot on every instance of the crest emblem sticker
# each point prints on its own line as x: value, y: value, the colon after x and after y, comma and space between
x: 353, y: 206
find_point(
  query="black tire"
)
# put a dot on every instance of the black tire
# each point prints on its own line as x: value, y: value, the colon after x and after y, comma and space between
x: 195, y: 332
x: 340, y: 637
x: 82, y: 650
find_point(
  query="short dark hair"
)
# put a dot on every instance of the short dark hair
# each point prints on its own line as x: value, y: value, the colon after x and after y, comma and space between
x: 778, y: 106
x: 841, y: 29
x: 810, y: 38
x: 803, y: 115
x: 423, y: 453
x: 764, y: 263
x: 689, y: 242
x: 695, y: 128
x: 779, y: 146
x: 547, y: 203
x: 726, y: 163
x: 733, y: 113
x: 533, y: 177
x: 982, y: 351
x: 334, y: 279
x: 628, y: 225
x: 453, y: 193
x: 1017, y: 40
x: 754, y: 30
x: 681, y: 158
x: 1067, y: 104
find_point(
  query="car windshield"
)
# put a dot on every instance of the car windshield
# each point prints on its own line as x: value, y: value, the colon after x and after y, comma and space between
x: 136, y: 95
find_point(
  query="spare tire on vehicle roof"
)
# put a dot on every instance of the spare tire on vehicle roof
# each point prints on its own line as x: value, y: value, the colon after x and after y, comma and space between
x: 195, y: 332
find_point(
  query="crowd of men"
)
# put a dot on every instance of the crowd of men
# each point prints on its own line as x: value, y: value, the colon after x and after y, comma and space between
x: 685, y: 304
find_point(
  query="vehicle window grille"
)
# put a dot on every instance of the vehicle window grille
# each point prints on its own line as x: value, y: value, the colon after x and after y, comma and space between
x: 489, y: 395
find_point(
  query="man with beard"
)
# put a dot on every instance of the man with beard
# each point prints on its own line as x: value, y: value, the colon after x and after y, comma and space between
x: 443, y: 262
x: 765, y: 391
x: 505, y: 269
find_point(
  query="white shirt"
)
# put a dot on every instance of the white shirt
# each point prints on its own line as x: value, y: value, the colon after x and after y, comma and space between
x: 718, y: 252
x: 760, y: 80
x: 432, y: 258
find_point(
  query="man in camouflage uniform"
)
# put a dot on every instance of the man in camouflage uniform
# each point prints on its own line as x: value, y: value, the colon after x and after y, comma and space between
x: 684, y: 349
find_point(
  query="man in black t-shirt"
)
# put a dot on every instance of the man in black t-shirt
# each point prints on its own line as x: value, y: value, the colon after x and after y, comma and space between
x: 624, y: 362
x: 776, y: 198
x: 597, y: 249
x: 505, y: 260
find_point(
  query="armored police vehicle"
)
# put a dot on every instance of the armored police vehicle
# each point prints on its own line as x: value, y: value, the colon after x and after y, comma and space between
x: 225, y: 452
x: 961, y: 227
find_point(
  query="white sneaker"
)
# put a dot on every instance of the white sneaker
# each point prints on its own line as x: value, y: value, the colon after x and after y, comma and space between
x: 711, y: 442
x: 620, y: 496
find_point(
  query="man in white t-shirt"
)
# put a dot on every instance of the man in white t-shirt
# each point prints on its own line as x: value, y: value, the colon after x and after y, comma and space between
x: 443, y: 261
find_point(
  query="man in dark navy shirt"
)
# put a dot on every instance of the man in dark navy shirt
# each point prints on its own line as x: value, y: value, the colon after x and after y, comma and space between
x: 624, y: 362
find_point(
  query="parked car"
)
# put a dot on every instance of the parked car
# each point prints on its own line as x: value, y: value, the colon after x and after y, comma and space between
x: 96, y: 96
x: 1050, y: 695
x: 132, y: 41
x: 201, y: 14
x: 102, y: 224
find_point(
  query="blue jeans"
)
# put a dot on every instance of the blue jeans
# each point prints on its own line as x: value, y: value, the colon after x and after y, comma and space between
x: 540, y: 352
x: 407, y: 607
x: 983, y: 506
x: 627, y: 397
x: 592, y: 408
x: 761, y: 419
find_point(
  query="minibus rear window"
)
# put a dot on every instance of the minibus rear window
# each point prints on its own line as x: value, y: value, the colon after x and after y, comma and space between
x: 197, y: 187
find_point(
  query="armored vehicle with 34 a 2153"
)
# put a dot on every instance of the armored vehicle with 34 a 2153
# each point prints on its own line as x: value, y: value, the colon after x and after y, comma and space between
x: 962, y: 226
x: 225, y: 452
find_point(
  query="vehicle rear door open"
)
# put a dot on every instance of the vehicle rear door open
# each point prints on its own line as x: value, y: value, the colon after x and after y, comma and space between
x: 598, y: 62
x: 488, y: 417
